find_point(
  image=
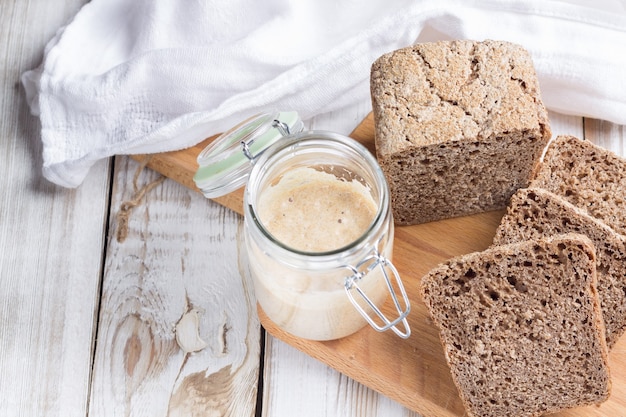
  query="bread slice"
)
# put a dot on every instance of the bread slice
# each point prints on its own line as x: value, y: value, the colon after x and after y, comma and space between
x: 534, y: 213
x: 588, y: 176
x: 459, y: 126
x: 521, y: 326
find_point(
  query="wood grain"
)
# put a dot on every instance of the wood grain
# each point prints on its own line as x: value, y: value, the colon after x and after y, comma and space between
x: 298, y: 385
x: 294, y: 383
x: 51, y: 240
x: 181, y: 166
x: 414, y: 372
x: 181, y: 253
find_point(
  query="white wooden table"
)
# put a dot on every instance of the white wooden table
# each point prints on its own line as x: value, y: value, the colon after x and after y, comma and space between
x: 87, y: 322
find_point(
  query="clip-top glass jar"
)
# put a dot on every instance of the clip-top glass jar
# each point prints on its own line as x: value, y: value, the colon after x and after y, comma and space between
x: 317, y: 224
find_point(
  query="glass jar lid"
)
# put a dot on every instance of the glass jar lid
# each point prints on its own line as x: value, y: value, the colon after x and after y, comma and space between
x: 224, y: 165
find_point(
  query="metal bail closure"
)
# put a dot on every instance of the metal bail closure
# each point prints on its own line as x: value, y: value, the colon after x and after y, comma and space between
x: 376, y: 260
x: 225, y: 164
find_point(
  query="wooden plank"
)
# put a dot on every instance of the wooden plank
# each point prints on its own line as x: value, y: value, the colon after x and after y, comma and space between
x: 181, y: 166
x: 295, y: 384
x: 51, y: 240
x: 181, y: 253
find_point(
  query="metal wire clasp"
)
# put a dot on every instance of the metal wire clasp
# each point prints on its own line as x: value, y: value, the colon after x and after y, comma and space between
x: 376, y: 260
x: 282, y: 127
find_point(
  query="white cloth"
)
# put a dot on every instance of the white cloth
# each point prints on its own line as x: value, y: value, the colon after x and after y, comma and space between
x: 148, y: 76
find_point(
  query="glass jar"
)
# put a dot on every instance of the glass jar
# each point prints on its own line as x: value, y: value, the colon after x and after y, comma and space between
x: 325, y: 272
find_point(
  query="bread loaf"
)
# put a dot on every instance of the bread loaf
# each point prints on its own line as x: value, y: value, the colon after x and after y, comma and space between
x: 588, y: 176
x: 521, y: 326
x: 534, y: 213
x: 459, y: 126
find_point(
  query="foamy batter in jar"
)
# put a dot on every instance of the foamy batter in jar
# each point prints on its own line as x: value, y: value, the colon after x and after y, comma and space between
x: 314, y: 211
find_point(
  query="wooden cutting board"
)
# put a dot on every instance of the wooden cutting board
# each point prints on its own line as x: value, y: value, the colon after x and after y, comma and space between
x: 413, y: 371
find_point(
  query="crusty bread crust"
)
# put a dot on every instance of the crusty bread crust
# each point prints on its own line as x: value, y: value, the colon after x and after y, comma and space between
x: 588, y: 176
x: 521, y: 326
x: 534, y: 212
x: 459, y: 126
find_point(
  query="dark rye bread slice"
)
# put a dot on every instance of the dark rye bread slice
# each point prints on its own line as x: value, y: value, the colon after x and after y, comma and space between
x: 588, y: 176
x: 459, y: 126
x: 521, y: 326
x: 534, y: 212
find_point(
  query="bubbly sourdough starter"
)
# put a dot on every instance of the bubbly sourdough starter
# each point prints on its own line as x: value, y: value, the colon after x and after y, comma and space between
x: 313, y: 211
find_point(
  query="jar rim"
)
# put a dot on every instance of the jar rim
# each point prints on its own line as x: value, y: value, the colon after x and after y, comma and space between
x: 317, y: 138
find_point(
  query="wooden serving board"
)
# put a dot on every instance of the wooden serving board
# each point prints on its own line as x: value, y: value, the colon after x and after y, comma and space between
x: 413, y: 371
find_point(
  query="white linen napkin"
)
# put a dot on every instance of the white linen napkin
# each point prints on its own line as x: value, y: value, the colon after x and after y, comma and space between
x: 148, y: 76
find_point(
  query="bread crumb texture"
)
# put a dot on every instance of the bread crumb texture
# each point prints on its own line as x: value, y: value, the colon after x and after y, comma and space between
x: 534, y: 213
x: 459, y: 126
x: 588, y: 176
x: 521, y: 326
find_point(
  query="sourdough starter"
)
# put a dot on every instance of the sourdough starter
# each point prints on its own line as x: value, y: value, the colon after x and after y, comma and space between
x: 313, y: 211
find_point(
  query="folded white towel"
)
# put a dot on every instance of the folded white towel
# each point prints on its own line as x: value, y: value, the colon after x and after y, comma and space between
x: 147, y: 76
